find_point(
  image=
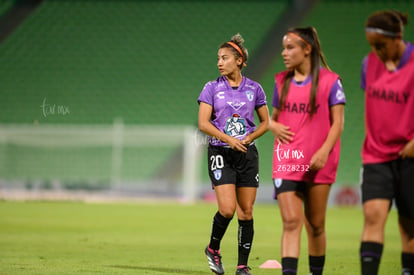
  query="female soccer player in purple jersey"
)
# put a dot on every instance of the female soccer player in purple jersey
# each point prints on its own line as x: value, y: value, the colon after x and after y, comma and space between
x: 388, y: 152
x: 307, y: 122
x: 226, y: 114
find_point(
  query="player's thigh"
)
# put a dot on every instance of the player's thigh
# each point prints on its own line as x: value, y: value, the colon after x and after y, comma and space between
x: 316, y: 201
x: 291, y: 207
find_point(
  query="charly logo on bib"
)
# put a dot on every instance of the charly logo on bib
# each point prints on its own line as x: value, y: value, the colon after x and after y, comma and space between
x: 235, y: 126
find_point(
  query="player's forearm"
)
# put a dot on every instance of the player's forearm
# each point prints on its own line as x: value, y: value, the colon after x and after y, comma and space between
x: 260, y: 130
x: 209, y: 129
x: 264, y: 124
x: 337, y: 127
x: 333, y: 136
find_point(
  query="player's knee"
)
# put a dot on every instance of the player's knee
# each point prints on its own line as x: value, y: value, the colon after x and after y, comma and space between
x: 246, y: 213
x: 370, y: 221
x: 373, y: 217
x: 292, y: 223
x: 227, y: 212
x: 316, y: 229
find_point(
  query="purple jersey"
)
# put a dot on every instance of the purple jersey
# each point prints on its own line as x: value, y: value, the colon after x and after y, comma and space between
x: 336, y: 95
x: 233, y: 109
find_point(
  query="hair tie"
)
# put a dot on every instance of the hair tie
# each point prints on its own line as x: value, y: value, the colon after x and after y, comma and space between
x: 237, y: 48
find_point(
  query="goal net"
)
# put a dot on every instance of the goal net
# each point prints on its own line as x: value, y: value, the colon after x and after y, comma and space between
x: 135, y: 160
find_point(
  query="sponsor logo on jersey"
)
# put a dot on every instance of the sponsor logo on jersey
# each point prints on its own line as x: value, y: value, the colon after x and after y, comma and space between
x: 235, y: 126
x: 220, y: 95
x: 397, y: 96
x: 236, y: 105
x: 299, y: 108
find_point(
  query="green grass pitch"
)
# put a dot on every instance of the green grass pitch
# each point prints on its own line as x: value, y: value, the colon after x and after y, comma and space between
x: 43, y: 237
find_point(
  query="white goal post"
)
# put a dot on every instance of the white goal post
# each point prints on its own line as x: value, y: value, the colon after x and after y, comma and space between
x: 142, y: 160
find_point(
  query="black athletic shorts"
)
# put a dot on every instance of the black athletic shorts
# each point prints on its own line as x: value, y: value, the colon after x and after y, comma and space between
x: 390, y: 180
x: 282, y: 185
x: 227, y: 166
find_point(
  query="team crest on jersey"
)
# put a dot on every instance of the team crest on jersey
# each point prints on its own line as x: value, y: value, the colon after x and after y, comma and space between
x: 235, y: 126
x: 250, y: 95
x: 217, y: 174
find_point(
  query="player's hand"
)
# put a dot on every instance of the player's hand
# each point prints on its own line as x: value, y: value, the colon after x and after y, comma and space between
x: 319, y: 160
x: 281, y: 132
x: 247, y: 140
x: 408, y: 150
x: 237, y: 145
